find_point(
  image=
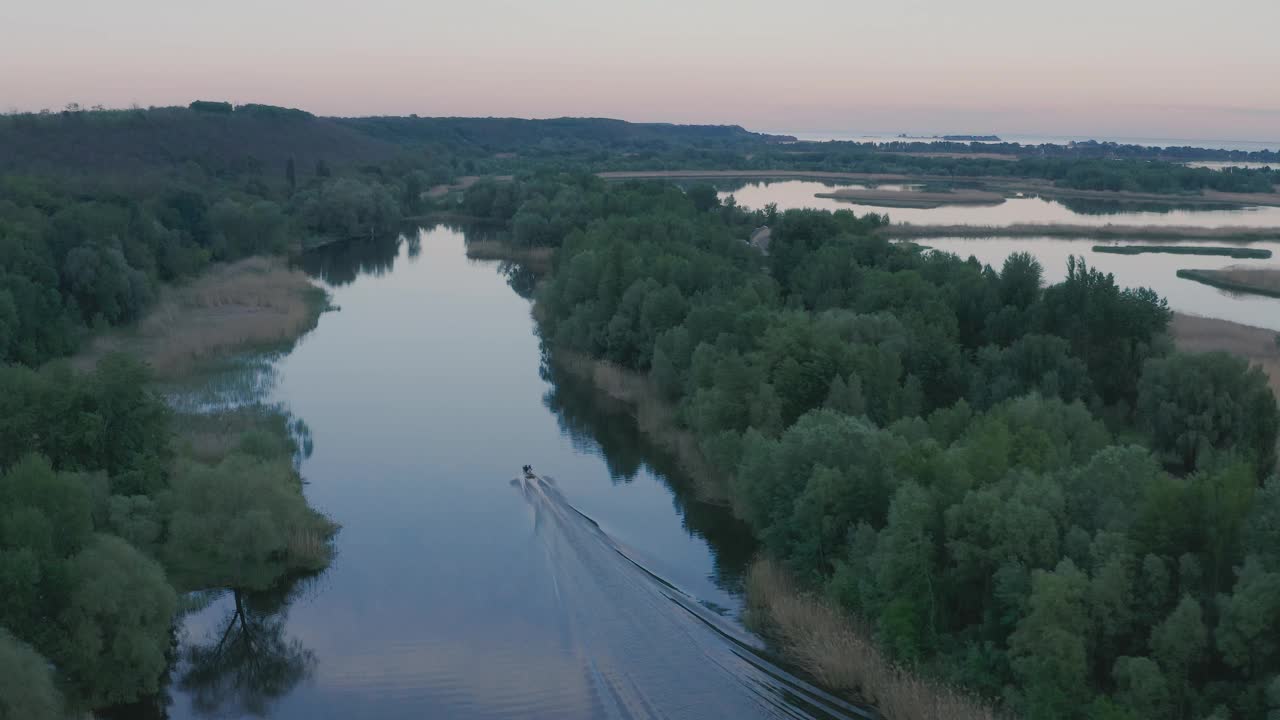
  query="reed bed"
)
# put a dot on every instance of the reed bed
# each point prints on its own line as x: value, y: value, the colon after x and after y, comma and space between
x: 828, y: 645
x: 250, y: 303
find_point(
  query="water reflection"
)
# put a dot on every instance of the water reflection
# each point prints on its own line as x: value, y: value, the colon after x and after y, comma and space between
x: 340, y: 263
x: 247, y: 660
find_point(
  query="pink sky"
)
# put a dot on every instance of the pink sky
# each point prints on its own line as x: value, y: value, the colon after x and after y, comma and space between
x: 1172, y: 68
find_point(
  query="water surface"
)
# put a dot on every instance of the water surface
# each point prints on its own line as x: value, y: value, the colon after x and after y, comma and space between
x: 1158, y: 272
x: 460, y: 590
x: 794, y: 194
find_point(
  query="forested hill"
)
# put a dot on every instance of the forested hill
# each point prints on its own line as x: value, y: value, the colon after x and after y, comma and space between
x: 224, y: 139
x: 211, y: 135
x: 510, y: 134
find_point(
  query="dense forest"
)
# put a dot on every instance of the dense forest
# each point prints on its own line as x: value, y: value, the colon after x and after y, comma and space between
x: 113, y: 507
x: 1021, y: 488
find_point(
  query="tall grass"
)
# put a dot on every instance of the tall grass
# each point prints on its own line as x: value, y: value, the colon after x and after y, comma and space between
x: 841, y: 656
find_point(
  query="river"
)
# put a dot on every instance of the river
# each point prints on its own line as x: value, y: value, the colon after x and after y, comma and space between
x: 601, y: 589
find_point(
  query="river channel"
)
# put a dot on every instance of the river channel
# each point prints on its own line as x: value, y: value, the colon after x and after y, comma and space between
x: 461, y: 589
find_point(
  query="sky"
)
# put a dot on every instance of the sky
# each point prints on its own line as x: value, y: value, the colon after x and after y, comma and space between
x: 1115, y: 68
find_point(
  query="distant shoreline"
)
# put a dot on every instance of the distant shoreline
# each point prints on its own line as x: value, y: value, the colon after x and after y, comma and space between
x: 1011, y: 187
x: 1083, y: 232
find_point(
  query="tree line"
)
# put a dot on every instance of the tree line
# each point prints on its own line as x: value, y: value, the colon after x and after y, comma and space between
x: 1021, y: 488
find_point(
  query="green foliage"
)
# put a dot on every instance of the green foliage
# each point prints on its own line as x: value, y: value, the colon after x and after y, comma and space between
x: 237, y: 524
x: 342, y: 208
x: 27, y: 689
x: 918, y: 438
x: 1198, y: 407
x: 116, y: 622
x: 105, y: 420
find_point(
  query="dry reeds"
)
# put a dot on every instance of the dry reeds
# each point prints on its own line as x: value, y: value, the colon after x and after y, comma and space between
x: 252, y: 302
x: 310, y: 547
x: 841, y: 656
x: 1192, y: 333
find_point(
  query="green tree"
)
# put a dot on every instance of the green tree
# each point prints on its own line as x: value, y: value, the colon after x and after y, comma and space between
x: 1196, y: 407
x: 243, y: 524
x: 116, y: 623
x: 1048, y: 651
x: 27, y: 688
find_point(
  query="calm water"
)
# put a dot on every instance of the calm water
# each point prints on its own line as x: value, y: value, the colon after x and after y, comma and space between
x: 790, y: 194
x: 460, y: 591
x: 1155, y: 271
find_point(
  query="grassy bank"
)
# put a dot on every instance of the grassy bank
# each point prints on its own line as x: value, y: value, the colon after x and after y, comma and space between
x: 1264, y: 282
x: 256, y: 302
x: 1232, y: 252
x: 1117, y: 232
x: 830, y: 647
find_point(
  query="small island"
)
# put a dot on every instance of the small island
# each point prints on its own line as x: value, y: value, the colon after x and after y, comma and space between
x: 953, y: 138
x: 1237, y: 278
x: 1214, y: 250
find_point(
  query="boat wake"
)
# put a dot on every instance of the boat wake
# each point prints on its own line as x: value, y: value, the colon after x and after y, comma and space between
x: 649, y: 649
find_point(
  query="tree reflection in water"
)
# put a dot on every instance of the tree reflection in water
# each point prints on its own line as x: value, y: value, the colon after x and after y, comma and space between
x: 248, y: 661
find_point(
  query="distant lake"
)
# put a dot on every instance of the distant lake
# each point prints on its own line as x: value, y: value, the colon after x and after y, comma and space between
x: 1157, y: 272
x: 791, y: 194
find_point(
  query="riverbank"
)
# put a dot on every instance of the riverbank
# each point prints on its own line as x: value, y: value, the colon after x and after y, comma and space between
x: 1083, y: 232
x: 1240, y: 279
x: 654, y: 416
x: 254, y: 302
x: 809, y: 633
x: 828, y: 645
x: 1192, y: 333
